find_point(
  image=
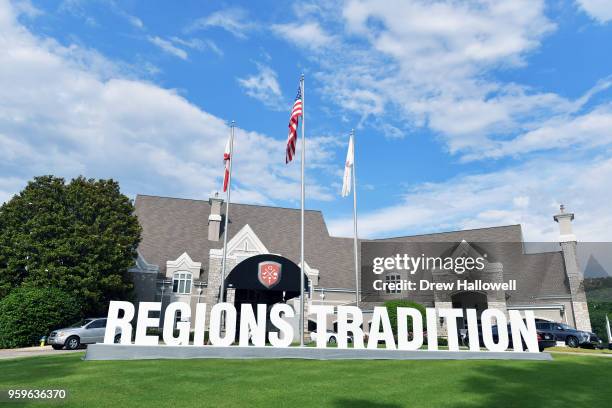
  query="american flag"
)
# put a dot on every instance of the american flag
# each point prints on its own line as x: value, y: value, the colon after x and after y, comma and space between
x: 296, y: 112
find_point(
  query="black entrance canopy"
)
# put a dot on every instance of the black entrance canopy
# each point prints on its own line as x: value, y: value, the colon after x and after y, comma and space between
x: 245, y: 275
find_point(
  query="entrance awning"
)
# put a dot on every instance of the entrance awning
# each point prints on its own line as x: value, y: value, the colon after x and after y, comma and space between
x: 246, y: 275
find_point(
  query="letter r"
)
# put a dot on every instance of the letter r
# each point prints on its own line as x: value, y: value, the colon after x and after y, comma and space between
x: 113, y: 322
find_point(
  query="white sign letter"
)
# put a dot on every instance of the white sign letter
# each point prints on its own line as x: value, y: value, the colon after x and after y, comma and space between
x: 344, y: 327
x: 283, y: 326
x: 487, y: 330
x: 249, y: 325
x: 472, y: 321
x: 321, y: 311
x: 200, y: 323
x: 182, y: 326
x: 403, y: 343
x: 379, y: 317
x: 113, y: 322
x: 432, y: 329
x: 451, y: 315
x: 144, y: 322
x: 215, y: 324
x: 527, y: 331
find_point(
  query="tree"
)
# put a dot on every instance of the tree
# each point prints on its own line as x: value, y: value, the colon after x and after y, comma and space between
x: 597, y: 313
x: 80, y: 237
x: 27, y: 314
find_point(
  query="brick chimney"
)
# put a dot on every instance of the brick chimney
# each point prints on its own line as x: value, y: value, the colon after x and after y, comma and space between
x: 214, y: 219
x: 567, y: 240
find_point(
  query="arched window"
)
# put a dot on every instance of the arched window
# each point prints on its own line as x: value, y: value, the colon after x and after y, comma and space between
x: 181, y: 282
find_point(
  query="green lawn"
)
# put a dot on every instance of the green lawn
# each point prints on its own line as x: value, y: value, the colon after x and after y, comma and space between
x: 567, y: 381
x: 579, y: 350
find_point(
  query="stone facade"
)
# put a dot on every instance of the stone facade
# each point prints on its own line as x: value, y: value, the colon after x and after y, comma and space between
x: 569, y: 307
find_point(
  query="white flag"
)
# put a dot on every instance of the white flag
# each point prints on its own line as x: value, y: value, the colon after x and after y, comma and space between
x: 348, y: 166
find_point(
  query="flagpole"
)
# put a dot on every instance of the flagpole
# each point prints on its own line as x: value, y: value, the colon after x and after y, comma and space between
x: 302, y: 264
x: 608, y: 330
x: 355, y: 243
x: 227, y: 203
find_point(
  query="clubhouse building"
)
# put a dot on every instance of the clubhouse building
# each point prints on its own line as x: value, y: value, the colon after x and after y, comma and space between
x: 180, y: 259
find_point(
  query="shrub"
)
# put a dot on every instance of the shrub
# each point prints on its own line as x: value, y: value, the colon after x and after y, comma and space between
x: 392, y: 306
x: 29, y: 313
x: 597, y: 313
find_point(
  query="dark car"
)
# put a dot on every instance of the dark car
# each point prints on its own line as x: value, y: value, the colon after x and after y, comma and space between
x: 545, y: 339
x: 570, y: 336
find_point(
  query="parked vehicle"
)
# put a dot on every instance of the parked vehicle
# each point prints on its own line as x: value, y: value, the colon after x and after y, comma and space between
x: 87, y: 331
x: 570, y: 336
x: 545, y: 339
x: 332, y: 337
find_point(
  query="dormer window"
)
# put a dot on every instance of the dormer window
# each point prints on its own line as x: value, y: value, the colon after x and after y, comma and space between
x: 181, y: 282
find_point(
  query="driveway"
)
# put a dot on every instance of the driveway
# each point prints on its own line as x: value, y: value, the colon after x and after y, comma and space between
x: 31, y: 351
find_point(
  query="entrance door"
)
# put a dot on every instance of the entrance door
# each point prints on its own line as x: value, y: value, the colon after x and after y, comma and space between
x: 261, y: 297
x: 253, y: 286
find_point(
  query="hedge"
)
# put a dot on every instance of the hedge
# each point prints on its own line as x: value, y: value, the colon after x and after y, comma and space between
x: 392, y: 306
x: 29, y: 313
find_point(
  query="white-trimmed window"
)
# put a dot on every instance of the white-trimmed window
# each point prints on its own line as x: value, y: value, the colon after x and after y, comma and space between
x: 181, y: 282
x: 396, y: 279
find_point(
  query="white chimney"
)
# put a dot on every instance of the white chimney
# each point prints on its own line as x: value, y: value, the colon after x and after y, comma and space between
x: 565, y: 219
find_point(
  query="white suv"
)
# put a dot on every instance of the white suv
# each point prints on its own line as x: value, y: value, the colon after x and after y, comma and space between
x: 87, y: 331
x: 331, y: 337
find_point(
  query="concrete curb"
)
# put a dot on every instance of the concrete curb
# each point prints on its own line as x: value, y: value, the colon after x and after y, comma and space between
x: 134, y: 352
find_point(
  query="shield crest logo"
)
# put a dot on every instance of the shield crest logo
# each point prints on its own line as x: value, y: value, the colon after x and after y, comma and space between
x: 269, y: 273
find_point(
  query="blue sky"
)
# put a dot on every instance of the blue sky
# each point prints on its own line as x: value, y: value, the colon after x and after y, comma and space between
x: 467, y: 114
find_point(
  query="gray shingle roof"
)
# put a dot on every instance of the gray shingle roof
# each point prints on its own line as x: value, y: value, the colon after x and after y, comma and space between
x: 172, y: 226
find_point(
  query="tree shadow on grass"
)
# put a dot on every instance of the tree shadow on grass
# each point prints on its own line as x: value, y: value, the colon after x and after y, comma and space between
x: 22, y: 371
x: 361, y: 403
x: 564, y: 382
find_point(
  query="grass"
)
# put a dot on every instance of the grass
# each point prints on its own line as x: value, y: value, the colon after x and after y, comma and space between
x: 569, y: 380
x: 579, y: 350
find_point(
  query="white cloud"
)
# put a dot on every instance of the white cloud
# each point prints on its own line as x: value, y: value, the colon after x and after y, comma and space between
x: 233, y: 20
x: 198, y: 44
x: 528, y: 194
x: 600, y: 10
x: 169, y: 48
x: 133, y: 20
x: 78, y: 8
x: 434, y: 63
x: 264, y: 87
x: 429, y: 64
x: 64, y: 112
x: 589, y: 130
x: 307, y: 34
x: 25, y: 7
